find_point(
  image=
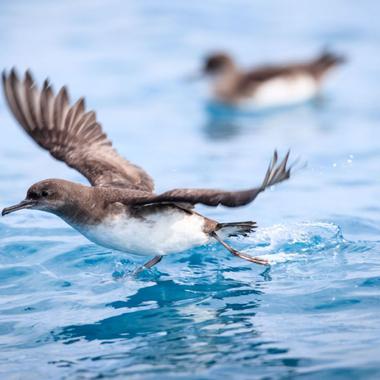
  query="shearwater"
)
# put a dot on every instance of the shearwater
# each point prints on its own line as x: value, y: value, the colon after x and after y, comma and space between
x: 270, y: 85
x: 120, y: 209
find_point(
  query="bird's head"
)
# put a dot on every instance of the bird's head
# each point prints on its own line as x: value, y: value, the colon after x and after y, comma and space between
x: 51, y: 195
x: 218, y: 63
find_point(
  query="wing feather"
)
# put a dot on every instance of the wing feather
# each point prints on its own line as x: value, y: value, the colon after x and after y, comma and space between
x: 70, y: 133
x: 276, y: 173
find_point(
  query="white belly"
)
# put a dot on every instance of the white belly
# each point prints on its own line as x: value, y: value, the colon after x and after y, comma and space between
x: 284, y: 91
x: 162, y: 233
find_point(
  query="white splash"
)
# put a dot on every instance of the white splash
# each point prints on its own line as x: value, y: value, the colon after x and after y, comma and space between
x: 282, y: 243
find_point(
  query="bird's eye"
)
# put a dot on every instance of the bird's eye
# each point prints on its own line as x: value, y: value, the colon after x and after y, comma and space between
x: 44, y: 193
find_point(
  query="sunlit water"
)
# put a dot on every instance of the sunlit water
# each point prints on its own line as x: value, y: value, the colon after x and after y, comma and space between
x: 70, y: 309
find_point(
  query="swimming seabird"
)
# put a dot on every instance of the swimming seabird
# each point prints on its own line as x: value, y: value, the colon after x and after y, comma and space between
x: 267, y: 85
x: 120, y: 209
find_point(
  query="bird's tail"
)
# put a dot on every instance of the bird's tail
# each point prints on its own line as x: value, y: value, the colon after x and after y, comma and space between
x: 327, y: 60
x: 226, y: 230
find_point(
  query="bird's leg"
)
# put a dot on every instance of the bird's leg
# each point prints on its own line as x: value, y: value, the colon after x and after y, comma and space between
x: 242, y: 255
x: 152, y: 262
x: 149, y: 264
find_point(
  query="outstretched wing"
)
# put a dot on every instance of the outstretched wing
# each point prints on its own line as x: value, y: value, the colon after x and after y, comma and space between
x: 70, y: 133
x: 276, y: 173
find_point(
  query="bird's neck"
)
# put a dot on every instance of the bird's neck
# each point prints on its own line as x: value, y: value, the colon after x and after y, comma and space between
x: 224, y: 83
x: 81, y: 207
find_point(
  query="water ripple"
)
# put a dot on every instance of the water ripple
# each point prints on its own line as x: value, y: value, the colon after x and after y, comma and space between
x: 72, y: 310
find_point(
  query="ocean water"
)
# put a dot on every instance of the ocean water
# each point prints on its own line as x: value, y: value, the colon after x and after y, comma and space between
x: 72, y: 310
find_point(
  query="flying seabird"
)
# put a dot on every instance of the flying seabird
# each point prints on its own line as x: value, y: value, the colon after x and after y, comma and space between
x: 267, y: 85
x: 120, y: 209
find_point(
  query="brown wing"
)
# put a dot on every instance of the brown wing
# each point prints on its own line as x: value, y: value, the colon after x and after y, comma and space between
x: 276, y: 173
x: 265, y: 73
x: 70, y: 133
x: 315, y: 67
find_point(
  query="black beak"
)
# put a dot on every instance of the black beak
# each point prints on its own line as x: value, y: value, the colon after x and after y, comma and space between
x: 27, y: 203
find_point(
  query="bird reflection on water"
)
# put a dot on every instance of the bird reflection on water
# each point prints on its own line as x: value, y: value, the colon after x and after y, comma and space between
x: 165, y: 319
x: 225, y: 123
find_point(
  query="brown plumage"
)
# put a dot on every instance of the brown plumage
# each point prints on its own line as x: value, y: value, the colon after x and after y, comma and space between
x: 234, y: 85
x: 70, y: 133
x: 275, y: 174
x: 121, y: 195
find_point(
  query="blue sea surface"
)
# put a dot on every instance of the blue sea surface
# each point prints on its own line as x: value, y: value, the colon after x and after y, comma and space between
x: 70, y: 309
